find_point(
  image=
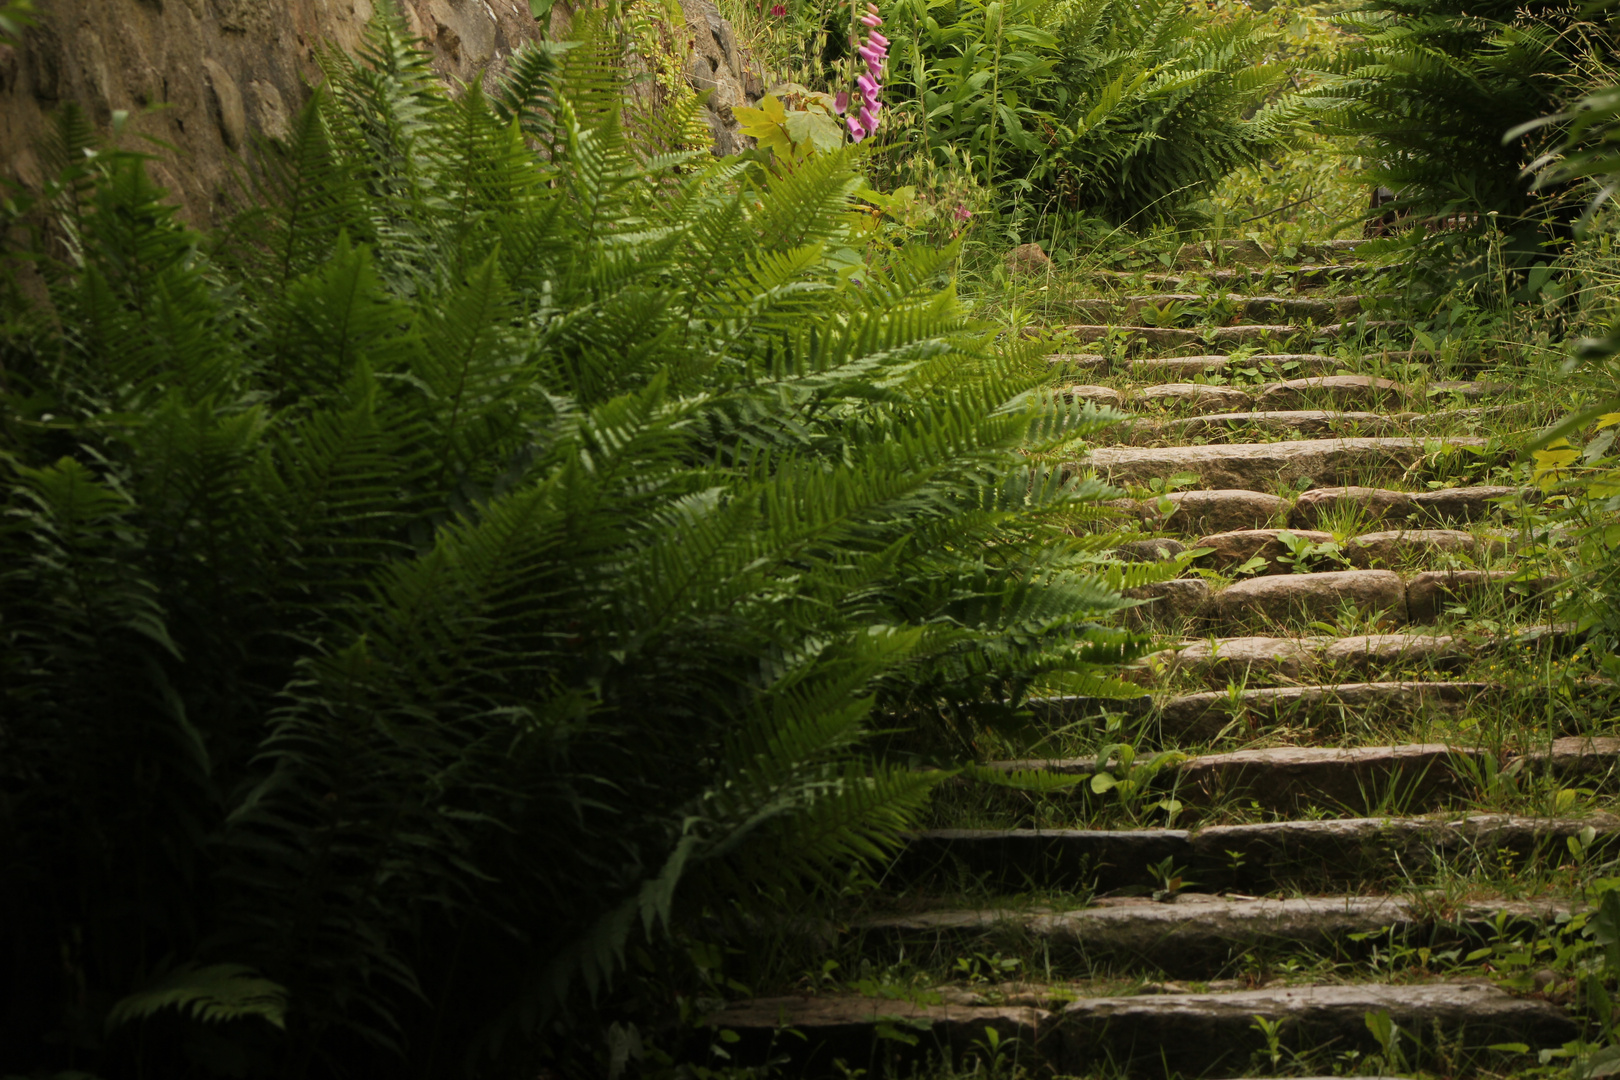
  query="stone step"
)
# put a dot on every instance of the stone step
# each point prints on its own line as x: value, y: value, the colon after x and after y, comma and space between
x: 1216, y: 1035
x: 1418, y: 777
x: 1322, y: 392
x: 1148, y: 1035
x: 1396, y: 546
x: 1306, y: 276
x: 1468, y: 389
x: 1316, y: 391
x: 1323, y: 596
x: 1244, y: 425
x: 1239, y: 425
x: 875, y: 1036
x: 1259, y: 466
x: 1238, y: 547
x: 1172, y: 337
x: 1167, y: 367
x: 1205, y: 715
x: 1196, y: 937
x: 1256, y: 309
x: 1203, y: 512
x: 1315, y: 597
x: 1362, y: 391
x: 1283, y: 599
x: 1199, y: 397
x: 1255, y: 254
x: 1318, y: 855
x: 1221, y: 661
x: 1463, y: 505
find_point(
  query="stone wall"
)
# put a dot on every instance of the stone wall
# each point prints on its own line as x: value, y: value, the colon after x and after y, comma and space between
x: 204, y: 76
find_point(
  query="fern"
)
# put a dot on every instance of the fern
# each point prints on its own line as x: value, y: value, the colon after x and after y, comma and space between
x: 1433, y: 88
x: 501, y: 548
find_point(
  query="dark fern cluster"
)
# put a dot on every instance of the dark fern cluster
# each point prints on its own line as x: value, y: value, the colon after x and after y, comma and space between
x: 1433, y: 87
x: 493, y: 550
x: 1158, y: 102
x: 1125, y: 111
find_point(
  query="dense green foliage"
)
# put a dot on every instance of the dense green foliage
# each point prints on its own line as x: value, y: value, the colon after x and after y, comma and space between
x: 1123, y: 111
x: 494, y: 550
x: 1435, y: 86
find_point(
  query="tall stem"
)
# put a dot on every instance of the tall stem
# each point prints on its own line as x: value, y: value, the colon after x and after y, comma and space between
x: 993, y: 11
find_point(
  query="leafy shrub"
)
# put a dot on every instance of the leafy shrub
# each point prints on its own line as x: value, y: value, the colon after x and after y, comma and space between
x: 491, y: 551
x: 1434, y: 86
x: 1129, y: 112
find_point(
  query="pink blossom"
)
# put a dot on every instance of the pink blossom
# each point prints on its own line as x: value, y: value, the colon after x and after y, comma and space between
x: 962, y: 213
x: 779, y: 10
x: 873, y: 50
x: 840, y: 103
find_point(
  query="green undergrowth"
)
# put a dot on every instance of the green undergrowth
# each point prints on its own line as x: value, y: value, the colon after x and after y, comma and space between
x: 511, y: 550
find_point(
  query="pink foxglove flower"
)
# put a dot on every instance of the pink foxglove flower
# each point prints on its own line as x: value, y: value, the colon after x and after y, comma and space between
x: 874, y: 50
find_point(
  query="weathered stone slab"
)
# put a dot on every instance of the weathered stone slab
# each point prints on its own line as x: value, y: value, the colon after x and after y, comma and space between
x: 1155, y: 337
x: 1589, y: 760
x: 1112, y: 858
x: 1222, y: 510
x: 1052, y: 713
x: 1081, y: 361
x: 1306, y: 276
x: 1296, y: 309
x: 1401, y: 545
x: 1291, y: 778
x: 1310, y: 597
x: 1362, y: 851
x: 1193, y: 396
x: 1198, y: 936
x: 1295, y: 421
x: 1092, y: 309
x: 1358, y: 390
x: 1251, y: 253
x: 1375, y: 504
x: 1468, y: 504
x: 1133, y: 306
x: 1097, y: 395
x: 1255, y: 858
x: 1216, y: 1034
x: 1251, y: 334
x: 1469, y: 390
x: 1167, y: 600
x: 1204, y: 715
x: 1429, y: 593
x: 840, y: 1026
x: 1314, y: 363
x: 1357, y: 328
x: 1261, y: 466
x: 1171, y: 366
x: 1237, y: 547
x: 1390, y: 650
x: 1235, y: 659
x: 1156, y: 549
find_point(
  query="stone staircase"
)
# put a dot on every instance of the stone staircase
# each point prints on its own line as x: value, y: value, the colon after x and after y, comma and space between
x: 1329, y: 803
